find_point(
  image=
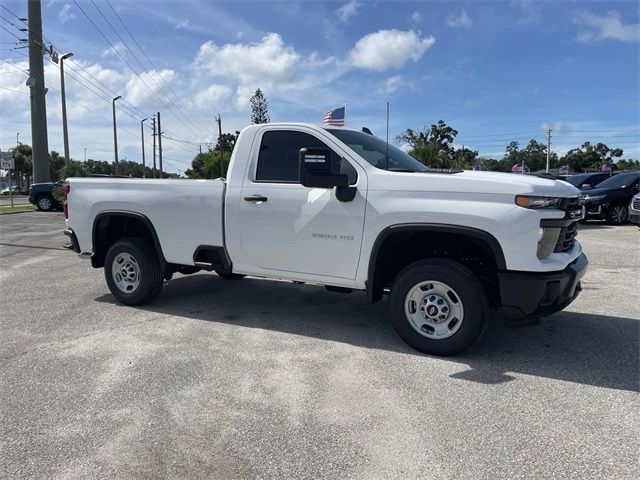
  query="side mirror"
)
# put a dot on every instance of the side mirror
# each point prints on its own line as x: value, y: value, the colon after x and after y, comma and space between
x: 316, y: 171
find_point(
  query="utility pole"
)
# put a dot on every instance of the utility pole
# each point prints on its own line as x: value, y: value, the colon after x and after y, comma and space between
x: 160, y: 144
x: 39, y: 140
x: 115, y: 136
x: 85, y: 154
x: 219, y: 120
x: 65, y: 132
x: 153, y: 124
x: 548, y: 147
x: 142, y: 134
x: 200, y: 146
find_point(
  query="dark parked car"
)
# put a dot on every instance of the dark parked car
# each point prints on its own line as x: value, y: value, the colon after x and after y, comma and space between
x: 46, y: 196
x: 610, y: 200
x: 587, y: 180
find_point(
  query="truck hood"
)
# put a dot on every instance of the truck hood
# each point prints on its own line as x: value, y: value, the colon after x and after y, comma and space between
x: 473, y: 182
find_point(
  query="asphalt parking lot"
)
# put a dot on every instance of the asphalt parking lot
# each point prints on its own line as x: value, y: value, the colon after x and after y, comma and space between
x: 262, y: 379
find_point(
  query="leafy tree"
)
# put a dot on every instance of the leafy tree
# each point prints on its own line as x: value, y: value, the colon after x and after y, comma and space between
x: 464, y: 158
x: 590, y: 157
x: 534, y: 156
x: 627, y: 165
x: 74, y: 169
x: 432, y: 147
x: 259, y: 108
x: 56, y: 163
x: 207, y: 164
x: 23, y: 162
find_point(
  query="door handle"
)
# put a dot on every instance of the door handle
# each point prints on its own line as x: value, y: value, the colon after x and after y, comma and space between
x: 255, y: 198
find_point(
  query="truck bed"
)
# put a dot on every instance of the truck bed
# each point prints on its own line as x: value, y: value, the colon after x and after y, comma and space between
x: 171, y: 205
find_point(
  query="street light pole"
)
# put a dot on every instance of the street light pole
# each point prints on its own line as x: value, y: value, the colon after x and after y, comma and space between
x: 115, y: 136
x: 65, y: 132
x: 85, y: 154
x: 17, y: 139
x: 142, y: 134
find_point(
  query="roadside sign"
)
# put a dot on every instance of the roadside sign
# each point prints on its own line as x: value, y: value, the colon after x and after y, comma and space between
x: 7, y: 163
x: 6, y: 155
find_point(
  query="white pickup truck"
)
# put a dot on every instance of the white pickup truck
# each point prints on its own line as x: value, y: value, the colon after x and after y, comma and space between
x: 341, y: 208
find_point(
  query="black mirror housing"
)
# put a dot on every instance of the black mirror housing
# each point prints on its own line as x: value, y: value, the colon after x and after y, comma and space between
x: 316, y: 169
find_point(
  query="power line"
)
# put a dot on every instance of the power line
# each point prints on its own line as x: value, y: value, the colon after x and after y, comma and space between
x: 124, y: 60
x: 149, y: 60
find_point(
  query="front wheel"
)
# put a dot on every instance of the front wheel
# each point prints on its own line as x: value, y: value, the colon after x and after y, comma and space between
x: 438, y: 306
x: 617, y: 214
x: 132, y: 271
x: 44, y: 203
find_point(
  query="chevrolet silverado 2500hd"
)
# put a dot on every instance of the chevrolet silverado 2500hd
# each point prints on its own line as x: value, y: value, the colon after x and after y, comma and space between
x: 337, y: 207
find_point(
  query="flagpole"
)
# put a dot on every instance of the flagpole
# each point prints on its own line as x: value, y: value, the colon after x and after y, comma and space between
x: 387, y: 135
x: 345, y: 114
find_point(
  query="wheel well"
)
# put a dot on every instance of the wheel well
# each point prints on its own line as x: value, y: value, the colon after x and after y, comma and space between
x: 398, y: 249
x: 109, y: 228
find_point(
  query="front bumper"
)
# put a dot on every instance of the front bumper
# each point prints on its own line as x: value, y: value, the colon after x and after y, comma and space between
x: 529, y: 295
x: 634, y: 216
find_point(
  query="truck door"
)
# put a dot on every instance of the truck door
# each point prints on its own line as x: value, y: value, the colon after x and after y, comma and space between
x: 291, y: 228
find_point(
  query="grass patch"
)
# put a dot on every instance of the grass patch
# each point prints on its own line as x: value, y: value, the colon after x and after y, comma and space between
x: 16, y: 209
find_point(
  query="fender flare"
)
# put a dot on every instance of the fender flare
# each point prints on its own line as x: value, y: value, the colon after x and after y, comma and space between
x: 125, y: 213
x: 374, y: 292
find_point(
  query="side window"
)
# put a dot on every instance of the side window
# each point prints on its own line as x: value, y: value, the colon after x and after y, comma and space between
x: 278, y: 160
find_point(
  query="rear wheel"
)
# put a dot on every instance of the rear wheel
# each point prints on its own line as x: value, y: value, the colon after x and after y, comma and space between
x: 132, y: 271
x: 438, y: 306
x: 44, y: 203
x: 617, y: 214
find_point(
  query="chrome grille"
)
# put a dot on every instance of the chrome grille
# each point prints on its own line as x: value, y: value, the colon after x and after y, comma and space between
x: 636, y: 203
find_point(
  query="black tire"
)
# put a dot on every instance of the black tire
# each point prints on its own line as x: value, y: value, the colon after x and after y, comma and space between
x: 45, y: 203
x: 230, y: 276
x: 617, y: 214
x: 468, y: 291
x: 147, y: 265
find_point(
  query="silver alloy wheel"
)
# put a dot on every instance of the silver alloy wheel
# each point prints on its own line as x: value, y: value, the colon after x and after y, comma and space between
x: 125, y: 272
x: 619, y: 214
x: 44, y: 203
x: 434, y: 309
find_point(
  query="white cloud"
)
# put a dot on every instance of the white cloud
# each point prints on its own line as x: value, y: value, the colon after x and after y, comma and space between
x: 389, y: 48
x: 65, y: 13
x: 269, y: 60
x: 459, y: 19
x: 118, y: 48
x: 142, y: 89
x: 557, y: 127
x: 606, y: 27
x: 348, y: 10
x: 392, y: 84
x: 210, y: 97
x: 269, y: 64
x: 416, y: 18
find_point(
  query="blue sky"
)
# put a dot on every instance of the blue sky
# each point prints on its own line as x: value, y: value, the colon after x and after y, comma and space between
x: 496, y: 71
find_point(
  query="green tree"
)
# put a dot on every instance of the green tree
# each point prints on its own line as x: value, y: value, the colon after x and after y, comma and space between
x: 534, y: 156
x: 23, y: 162
x: 433, y: 146
x: 627, y: 165
x: 259, y: 108
x: 590, y: 157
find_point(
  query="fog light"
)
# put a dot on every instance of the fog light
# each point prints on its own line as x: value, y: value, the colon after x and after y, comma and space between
x: 547, y: 240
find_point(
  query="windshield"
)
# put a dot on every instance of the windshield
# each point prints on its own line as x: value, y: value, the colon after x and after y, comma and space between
x: 620, y: 180
x: 576, y: 180
x: 374, y: 151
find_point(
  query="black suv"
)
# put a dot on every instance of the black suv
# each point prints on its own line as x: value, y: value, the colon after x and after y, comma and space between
x: 587, y: 180
x: 610, y: 200
x: 46, y: 196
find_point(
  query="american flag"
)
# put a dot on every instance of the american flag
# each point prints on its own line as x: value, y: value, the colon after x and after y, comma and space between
x: 334, y: 117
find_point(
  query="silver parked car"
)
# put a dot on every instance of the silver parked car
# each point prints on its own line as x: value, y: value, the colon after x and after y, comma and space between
x: 634, y: 209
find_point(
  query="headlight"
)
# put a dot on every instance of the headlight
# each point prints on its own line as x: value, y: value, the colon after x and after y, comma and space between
x: 527, y: 201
